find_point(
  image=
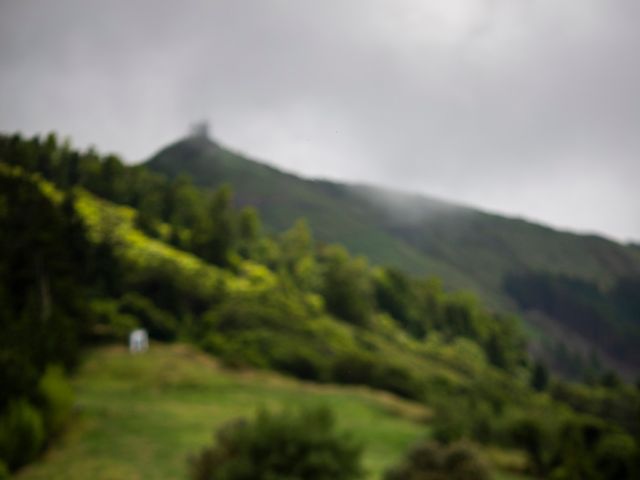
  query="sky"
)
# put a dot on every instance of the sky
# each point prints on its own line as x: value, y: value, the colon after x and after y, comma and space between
x: 529, y: 108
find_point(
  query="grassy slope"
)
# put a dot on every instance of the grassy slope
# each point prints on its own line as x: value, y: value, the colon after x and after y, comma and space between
x: 141, y: 417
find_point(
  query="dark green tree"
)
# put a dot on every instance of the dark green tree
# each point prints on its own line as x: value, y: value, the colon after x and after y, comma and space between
x: 396, y: 294
x: 215, y: 237
x: 347, y: 286
x: 431, y: 461
x: 539, y: 377
x: 249, y: 233
x: 295, y: 446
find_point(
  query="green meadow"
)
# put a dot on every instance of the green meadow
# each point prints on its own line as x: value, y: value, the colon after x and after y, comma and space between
x: 140, y: 417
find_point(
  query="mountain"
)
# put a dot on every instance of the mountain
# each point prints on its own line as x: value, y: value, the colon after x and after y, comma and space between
x: 97, y: 248
x: 492, y: 255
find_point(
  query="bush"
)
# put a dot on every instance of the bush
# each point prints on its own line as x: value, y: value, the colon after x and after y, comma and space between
x: 354, y: 368
x: 397, y: 379
x: 586, y: 450
x: 21, y: 434
x: 160, y: 324
x: 262, y: 348
x: 296, y: 357
x: 302, y: 446
x: 359, y: 368
x: 113, y: 323
x: 617, y: 457
x: 461, y: 416
x: 239, y: 350
x: 536, y: 437
x: 56, y: 396
x: 433, y: 461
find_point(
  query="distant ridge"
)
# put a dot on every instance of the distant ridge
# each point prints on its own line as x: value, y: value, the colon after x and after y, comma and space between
x: 467, y: 248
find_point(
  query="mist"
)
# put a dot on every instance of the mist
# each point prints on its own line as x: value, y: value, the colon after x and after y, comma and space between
x: 520, y: 107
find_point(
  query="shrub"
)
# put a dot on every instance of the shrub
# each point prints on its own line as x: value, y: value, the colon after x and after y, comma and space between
x: 617, y: 457
x: 585, y: 448
x: 298, y: 358
x: 534, y: 436
x: 463, y: 416
x: 239, y: 350
x: 433, y: 461
x: 360, y: 368
x: 56, y: 396
x: 160, y: 324
x: 354, y: 368
x: 113, y: 323
x: 397, y: 379
x: 262, y: 348
x: 21, y: 433
x: 300, y: 446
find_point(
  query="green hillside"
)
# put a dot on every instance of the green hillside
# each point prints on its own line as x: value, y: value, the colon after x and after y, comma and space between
x: 283, y: 198
x: 467, y: 248
x: 98, y: 248
x: 141, y: 417
x: 412, y: 232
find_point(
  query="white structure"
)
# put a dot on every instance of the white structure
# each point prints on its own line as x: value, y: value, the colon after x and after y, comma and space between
x: 138, y: 341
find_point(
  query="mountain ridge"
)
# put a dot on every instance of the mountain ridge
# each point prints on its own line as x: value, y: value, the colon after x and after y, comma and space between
x: 468, y: 248
x: 389, y: 190
x: 423, y: 205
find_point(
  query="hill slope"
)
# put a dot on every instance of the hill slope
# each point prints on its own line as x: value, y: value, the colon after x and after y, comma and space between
x: 141, y: 417
x: 467, y: 248
x: 98, y: 248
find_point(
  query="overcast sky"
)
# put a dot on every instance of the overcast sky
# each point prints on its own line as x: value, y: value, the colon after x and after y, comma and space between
x: 526, y: 107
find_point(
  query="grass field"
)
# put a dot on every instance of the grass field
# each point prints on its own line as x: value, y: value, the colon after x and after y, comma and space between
x: 140, y: 417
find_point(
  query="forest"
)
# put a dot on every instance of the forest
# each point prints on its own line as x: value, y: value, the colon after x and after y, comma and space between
x: 92, y: 248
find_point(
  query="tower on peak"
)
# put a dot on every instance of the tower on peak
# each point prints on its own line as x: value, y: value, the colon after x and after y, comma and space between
x: 200, y: 130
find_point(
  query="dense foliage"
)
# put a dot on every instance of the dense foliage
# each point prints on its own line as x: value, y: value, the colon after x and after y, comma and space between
x: 466, y: 248
x: 43, y: 316
x: 608, y: 317
x: 294, y: 445
x: 98, y: 248
x: 432, y: 461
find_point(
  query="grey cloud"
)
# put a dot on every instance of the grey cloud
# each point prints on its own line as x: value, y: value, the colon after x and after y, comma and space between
x: 525, y: 107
